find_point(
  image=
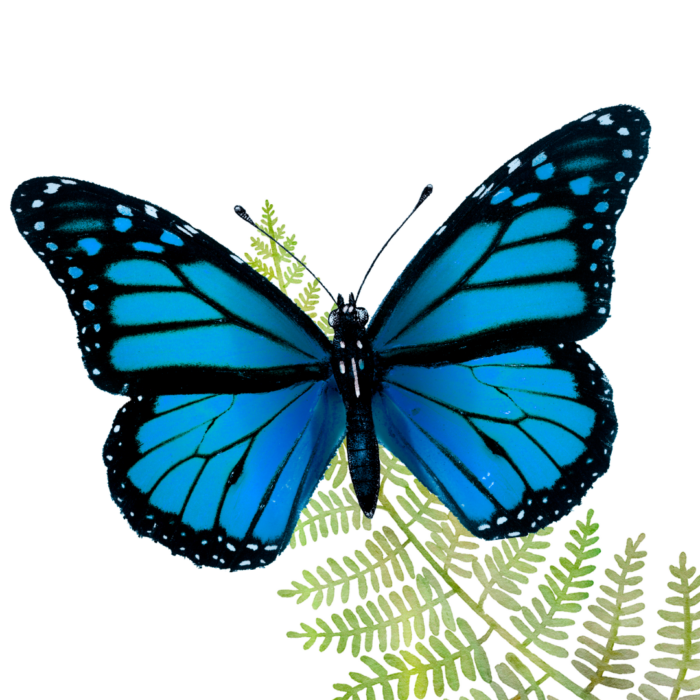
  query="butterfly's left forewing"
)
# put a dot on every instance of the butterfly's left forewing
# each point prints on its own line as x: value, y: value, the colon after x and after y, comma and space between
x: 234, y: 414
x: 160, y: 307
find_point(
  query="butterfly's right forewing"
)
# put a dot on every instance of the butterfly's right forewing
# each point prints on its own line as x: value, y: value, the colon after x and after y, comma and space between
x: 527, y: 257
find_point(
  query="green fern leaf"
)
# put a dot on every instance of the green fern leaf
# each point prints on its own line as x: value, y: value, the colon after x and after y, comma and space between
x: 451, y: 545
x: 259, y: 266
x: 392, y: 470
x: 294, y: 274
x: 423, y: 507
x: 338, y: 469
x: 309, y: 298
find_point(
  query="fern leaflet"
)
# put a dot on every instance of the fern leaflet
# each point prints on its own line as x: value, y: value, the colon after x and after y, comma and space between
x: 447, y: 545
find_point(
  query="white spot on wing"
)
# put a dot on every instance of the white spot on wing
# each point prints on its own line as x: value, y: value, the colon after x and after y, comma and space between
x: 513, y: 165
x: 51, y: 188
x: 605, y: 120
x: 151, y: 211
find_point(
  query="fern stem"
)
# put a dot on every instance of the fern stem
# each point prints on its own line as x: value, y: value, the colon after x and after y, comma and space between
x: 532, y: 686
x: 687, y: 655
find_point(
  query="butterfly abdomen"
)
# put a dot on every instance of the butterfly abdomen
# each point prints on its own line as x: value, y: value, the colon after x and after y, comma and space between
x: 363, y: 456
x: 353, y: 367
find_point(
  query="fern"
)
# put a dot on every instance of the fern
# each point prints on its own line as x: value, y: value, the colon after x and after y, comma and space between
x: 284, y: 270
x: 337, y: 470
x: 409, y: 639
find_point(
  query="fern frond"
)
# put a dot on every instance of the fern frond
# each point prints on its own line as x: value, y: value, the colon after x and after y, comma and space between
x: 429, y: 665
x: 274, y: 264
x: 423, y: 507
x: 566, y: 586
x: 679, y: 651
x: 382, y: 561
x: 511, y: 673
x: 604, y: 656
x: 448, y: 546
x: 392, y: 469
x: 508, y: 567
x: 338, y: 469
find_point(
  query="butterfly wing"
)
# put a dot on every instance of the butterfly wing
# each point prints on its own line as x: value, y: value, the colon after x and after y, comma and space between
x: 481, y: 391
x: 221, y: 479
x: 171, y: 318
x: 526, y: 258
x: 162, y: 308
x: 509, y: 443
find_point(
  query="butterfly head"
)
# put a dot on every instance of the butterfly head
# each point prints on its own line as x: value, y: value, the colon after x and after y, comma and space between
x: 352, y: 357
x: 347, y: 314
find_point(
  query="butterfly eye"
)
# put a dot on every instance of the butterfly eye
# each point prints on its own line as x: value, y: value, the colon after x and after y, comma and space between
x: 362, y: 316
x: 333, y: 318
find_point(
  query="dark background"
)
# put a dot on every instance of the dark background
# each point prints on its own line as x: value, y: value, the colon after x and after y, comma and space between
x: 342, y: 186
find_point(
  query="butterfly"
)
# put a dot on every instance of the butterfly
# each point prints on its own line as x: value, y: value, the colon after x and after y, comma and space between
x: 469, y: 372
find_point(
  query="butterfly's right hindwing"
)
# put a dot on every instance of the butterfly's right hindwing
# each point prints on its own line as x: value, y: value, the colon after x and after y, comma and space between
x: 509, y: 443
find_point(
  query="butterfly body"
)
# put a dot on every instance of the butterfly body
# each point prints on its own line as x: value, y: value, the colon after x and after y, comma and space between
x: 469, y: 372
x: 353, y: 368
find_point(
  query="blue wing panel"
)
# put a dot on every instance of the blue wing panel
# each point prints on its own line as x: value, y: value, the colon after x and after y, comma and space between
x: 161, y: 307
x: 509, y: 443
x: 527, y: 257
x: 221, y: 479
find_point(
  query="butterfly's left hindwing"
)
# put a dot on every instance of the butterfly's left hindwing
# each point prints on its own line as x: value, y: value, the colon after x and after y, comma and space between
x: 221, y: 479
x: 161, y: 308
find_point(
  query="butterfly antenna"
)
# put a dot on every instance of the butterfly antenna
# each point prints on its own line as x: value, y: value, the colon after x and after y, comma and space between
x: 244, y: 215
x: 427, y: 191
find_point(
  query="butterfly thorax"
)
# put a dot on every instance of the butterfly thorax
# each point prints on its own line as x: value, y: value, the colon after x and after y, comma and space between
x: 353, y: 369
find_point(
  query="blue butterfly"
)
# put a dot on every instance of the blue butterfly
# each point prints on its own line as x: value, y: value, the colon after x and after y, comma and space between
x: 469, y: 371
